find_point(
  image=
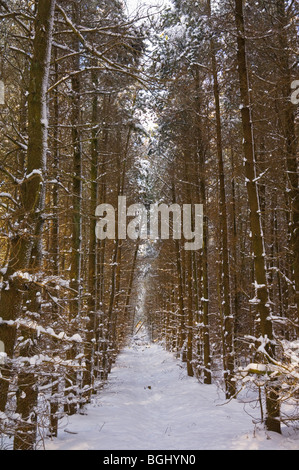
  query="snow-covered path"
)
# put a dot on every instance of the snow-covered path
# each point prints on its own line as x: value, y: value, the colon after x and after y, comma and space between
x: 150, y: 404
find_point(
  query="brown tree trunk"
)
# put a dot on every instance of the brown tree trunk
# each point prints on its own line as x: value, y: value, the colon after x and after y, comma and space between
x: 258, y: 248
x: 228, y: 321
x: 291, y: 143
x: 32, y: 190
x: 92, y: 257
x: 76, y: 241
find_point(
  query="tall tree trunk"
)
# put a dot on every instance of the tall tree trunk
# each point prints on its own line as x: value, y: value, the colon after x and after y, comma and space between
x: 56, y: 168
x: 75, y: 269
x: 181, y: 331
x: 54, y: 240
x: 190, y: 323
x: 27, y: 392
x: 189, y: 275
x: 228, y: 323
x: 205, y: 301
x: 32, y: 191
x: 92, y: 264
x: 102, y: 330
x: 291, y: 143
x: 261, y: 283
x: 131, y: 280
x: 116, y: 260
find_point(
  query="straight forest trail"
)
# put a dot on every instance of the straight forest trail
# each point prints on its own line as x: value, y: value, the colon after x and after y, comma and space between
x: 149, y: 403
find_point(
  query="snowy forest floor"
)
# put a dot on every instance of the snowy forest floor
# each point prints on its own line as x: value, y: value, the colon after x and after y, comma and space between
x: 149, y: 403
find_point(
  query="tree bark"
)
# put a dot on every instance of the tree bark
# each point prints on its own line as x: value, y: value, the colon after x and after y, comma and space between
x: 92, y: 257
x: 261, y: 283
x: 228, y: 321
x: 291, y: 144
x: 32, y: 188
x: 76, y: 241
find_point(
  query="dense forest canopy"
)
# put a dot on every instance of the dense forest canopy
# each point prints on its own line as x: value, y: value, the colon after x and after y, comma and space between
x: 182, y: 103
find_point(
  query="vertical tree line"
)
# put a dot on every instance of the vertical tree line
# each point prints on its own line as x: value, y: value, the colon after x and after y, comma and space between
x: 80, y: 86
x: 227, y: 134
x: 68, y: 115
